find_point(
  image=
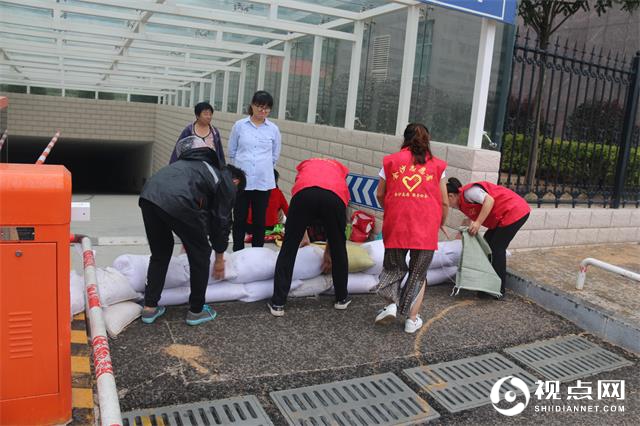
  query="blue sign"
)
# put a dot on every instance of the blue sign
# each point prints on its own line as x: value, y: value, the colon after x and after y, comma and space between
x: 362, y: 190
x: 500, y: 10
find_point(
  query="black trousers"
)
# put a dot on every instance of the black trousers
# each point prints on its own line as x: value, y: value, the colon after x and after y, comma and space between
x: 499, y: 239
x: 158, y: 226
x: 258, y: 200
x: 308, y: 206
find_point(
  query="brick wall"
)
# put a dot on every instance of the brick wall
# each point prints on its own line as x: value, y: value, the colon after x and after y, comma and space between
x: 89, y: 119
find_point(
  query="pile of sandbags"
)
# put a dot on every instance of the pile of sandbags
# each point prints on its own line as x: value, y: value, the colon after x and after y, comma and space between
x: 248, y: 278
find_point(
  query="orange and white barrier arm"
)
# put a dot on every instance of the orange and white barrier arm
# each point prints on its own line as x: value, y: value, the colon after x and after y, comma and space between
x: 47, y: 150
x: 3, y: 138
x: 110, y: 414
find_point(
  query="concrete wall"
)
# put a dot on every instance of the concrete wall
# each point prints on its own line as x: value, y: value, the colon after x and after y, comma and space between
x: 89, y: 119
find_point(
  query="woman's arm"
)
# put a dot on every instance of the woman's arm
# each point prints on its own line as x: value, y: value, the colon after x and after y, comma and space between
x: 277, y: 146
x: 487, y: 205
x: 233, y: 143
x: 185, y: 132
x: 445, y: 202
x: 382, y: 189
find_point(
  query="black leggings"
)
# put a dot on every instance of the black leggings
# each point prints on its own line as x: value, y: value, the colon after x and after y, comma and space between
x: 259, y: 200
x: 499, y: 239
x: 308, y: 206
x: 158, y: 226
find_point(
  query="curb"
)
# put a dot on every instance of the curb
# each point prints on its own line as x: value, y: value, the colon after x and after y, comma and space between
x: 594, y: 319
x: 81, y: 378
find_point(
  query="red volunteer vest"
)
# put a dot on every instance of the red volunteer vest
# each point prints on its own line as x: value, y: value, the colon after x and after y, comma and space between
x: 412, y: 202
x: 324, y: 173
x: 508, y: 207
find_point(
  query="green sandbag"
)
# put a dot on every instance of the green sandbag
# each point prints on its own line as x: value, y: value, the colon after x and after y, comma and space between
x: 475, y: 272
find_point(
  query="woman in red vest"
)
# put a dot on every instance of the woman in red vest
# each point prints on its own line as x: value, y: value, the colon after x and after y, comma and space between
x: 319, y: 195
x: 414, y: 197
x: 495, y: 207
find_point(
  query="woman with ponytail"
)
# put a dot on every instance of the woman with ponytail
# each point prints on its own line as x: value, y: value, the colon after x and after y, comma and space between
x: 495, y: 207
x: 413, y: 194
x: 254, y: 147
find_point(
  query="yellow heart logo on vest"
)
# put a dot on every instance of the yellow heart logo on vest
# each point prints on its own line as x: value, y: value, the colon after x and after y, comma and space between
x: 412, y: 182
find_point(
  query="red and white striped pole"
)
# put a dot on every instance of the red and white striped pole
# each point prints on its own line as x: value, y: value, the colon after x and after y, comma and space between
x: 3, y: 138
x: 47, y: 150
x: 110, y: 414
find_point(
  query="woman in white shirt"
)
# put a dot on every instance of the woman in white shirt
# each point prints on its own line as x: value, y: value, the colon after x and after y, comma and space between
x: 254, y: 147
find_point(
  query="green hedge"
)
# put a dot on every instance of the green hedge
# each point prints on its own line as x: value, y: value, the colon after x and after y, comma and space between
x: 577, y: 160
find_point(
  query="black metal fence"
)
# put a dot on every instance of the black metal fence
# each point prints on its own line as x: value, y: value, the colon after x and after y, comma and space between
x: 571, y: 128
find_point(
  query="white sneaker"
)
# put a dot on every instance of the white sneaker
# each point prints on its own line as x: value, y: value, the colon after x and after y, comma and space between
x: 411, y: 326
x: 387, y: 314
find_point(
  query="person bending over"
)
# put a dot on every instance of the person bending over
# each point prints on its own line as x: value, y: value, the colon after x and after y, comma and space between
x: 192, y: 197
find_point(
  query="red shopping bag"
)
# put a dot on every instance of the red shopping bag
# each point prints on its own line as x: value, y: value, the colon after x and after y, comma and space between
x: 362, y: 223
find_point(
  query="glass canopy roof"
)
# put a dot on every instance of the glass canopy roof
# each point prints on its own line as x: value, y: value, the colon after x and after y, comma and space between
x: 158, y: 46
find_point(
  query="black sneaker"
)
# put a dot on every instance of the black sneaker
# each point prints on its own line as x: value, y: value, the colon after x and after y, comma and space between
x: 276, y: 311
x: 341, y: 305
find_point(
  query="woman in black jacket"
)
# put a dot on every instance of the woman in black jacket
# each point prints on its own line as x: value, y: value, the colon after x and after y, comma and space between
x: 192, y: 197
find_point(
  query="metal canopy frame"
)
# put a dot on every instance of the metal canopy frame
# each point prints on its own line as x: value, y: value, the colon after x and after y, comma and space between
x: 164, y: 48
x: 160, y: 47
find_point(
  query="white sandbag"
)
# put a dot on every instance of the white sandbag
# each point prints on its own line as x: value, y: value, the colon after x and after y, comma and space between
x: 76, y: 288
x: 312, y: 287
x: 253, y: 264
x: 223, y: 291
x: 120, y: 315
x: 376, y: 252
x: 361, y: 283
x: 174, y: 296
x: 308, y: 263
x: 134, y: 267
x: 260, y: 290
x: 358, y: 282
x: 230, y: 272
x: 113, y: 286
x: 441, y: 275
x: 448, y: 254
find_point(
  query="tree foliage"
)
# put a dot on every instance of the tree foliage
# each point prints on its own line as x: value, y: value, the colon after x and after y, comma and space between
x: 546, y: 16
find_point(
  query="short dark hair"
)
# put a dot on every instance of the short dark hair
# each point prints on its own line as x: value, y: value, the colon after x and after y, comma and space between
x: 201, y: 107
x: 237, y: 173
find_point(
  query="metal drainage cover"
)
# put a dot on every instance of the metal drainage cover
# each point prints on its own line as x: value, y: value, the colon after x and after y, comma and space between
x: 466, y: 383
x: 382, y: 399
x: 242, y: 410
x: 567, y: 358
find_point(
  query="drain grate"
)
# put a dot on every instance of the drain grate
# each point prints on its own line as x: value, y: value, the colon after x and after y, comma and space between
x: 382, y: 399
x: 567, y: 358
x: 243, y: 410
x: 466, y: 383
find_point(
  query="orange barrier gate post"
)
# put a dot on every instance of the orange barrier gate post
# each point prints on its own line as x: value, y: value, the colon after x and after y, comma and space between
x: 35, y: 332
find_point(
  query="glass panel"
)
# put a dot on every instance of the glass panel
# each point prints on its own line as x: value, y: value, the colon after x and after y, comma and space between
x: 86, y: 94
x: 299, y: 79
x: 380, y: 73
x: 111, y: 96
x: 144, y: 98
x: 217, y: 106
x: 272, y: 80
x: 234, y: 82
x: 334, y: 82
x: 46, y: 91
x: 251, y: 81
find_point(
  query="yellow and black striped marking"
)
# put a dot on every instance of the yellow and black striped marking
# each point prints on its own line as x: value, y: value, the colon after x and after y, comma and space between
x: 81, y: 378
